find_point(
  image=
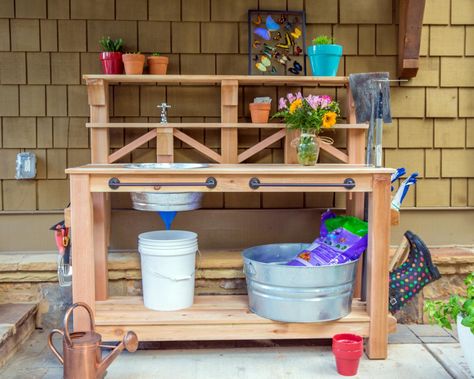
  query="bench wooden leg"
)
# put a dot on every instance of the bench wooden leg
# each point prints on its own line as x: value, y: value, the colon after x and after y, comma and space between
x: 377, y: 266
x: 101, y: 235
x: 83, y: 279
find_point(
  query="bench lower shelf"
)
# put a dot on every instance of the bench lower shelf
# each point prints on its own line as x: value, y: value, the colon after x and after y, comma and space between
x: 215, y: 318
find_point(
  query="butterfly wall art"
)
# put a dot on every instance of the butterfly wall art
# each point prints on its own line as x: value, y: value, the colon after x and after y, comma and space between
x: 276, y: 43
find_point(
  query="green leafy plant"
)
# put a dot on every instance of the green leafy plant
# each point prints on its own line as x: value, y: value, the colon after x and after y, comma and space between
x: 444, y: 313
x: 132, y: 52
x: 323, y: 40
x: 155, y: 54
x: 108, y: 44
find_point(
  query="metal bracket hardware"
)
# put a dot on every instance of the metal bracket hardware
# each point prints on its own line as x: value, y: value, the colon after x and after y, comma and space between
x: 210, y: 183
x: 348, y: 183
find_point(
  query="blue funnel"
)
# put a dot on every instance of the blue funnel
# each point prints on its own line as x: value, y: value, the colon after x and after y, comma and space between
x: 167, y: 217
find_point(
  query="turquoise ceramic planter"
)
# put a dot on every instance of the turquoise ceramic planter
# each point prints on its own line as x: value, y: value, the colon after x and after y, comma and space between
x: 324, y: 59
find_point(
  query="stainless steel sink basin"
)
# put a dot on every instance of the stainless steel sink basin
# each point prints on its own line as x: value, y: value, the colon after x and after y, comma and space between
x: 177, y: 166
x: 166, y: 201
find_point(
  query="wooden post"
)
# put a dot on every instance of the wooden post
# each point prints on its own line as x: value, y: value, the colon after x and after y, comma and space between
x: 98, y: 94
x: 83, y: 284
x: 355, y: 143
x: 229, y: 113
x: 164, y: 145
x: 377, y: 266
x: 291, y: 156
x: 409, y: 36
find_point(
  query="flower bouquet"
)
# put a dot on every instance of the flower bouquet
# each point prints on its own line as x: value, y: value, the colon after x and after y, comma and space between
x: 309, y: 114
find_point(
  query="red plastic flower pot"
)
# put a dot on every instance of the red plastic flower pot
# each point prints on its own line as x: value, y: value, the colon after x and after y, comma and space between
x: 347, y: 349
x: 111, y: 62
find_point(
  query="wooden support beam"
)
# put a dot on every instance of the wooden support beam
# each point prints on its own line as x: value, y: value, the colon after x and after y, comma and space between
x: 409, y: 36
x: 164, y: 145
x: 97, y: 92
x: 377, y: 266
x: 132, y: 146
x: 334, y: 151
x: 205, y: 125
x: 355, y: 143
x: 98, y: 98
x: 84, y: 278
x: 291, y: 155
x: 229, y: 113
x: 203, y: 149
x: 261, y: 145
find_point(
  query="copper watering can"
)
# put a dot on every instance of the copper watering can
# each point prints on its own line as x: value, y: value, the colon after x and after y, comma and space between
x: 82, y: 357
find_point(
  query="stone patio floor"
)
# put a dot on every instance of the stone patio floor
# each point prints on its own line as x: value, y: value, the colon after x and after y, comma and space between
x: 415, y: 351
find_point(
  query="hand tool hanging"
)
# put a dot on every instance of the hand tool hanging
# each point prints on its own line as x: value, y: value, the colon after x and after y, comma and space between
x: 63, y: 243
x: 371, y: 94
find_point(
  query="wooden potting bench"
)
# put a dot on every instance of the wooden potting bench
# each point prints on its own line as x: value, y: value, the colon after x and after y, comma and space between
x: 221, y: 317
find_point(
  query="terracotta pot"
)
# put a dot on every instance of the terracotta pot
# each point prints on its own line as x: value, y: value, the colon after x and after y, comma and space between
x: 347, y: 349
x: 157, y: 65
x: 133, y: 63
x: 260, y: 112
x: 111, y: 62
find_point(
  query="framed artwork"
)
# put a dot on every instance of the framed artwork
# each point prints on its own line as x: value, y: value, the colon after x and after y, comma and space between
x: 276, y: 42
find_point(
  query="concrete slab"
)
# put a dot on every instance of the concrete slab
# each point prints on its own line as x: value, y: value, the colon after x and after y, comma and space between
x: 440, y: 339
x: 291, y: 362
x: 453, y: 332
x: 452, y: 359
x: 422, y: 330
x: 403, y: 335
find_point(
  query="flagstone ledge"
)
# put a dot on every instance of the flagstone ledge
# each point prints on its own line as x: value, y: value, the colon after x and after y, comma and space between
x: 212, y: 264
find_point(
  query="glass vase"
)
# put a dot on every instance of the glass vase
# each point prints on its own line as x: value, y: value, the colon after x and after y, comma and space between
x: 308, y: 150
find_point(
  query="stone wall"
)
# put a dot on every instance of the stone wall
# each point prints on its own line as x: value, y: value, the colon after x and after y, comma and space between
x: 33, y: 278
x: 46, y: 45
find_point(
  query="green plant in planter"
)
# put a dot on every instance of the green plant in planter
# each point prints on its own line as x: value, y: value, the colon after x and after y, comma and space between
x: 155, y: 54
x: 444, y: 313
x: 108, y: 44
x: 323, y: 40
x: 324, y: 56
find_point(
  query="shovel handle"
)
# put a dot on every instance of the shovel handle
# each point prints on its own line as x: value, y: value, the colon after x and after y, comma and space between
x: 51, y: 344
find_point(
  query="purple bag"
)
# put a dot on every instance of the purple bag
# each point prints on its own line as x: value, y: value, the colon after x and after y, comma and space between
x: 342, y: 239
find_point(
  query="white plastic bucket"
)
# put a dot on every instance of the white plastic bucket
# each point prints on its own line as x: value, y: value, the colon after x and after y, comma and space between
x: 168, y: 264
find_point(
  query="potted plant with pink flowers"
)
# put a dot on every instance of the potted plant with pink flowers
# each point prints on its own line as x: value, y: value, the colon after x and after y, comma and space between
x: 310, y: 115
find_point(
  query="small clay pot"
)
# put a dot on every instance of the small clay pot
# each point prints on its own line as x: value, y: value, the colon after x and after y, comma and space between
x: 347, y: 349
x: 133, y: 63
x: 260, y: 112
x: 111, y: 62
x: 157, y: 65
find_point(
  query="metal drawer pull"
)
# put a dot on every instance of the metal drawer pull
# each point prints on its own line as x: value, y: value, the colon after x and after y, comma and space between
x: 210, y: 182
x: 348, y: 183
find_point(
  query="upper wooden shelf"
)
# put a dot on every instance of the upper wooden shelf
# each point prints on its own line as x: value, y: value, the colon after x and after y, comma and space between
x: 209, y: 125
x: 218, y: 79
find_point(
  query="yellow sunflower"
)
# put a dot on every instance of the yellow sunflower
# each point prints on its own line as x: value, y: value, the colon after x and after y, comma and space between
x: 329, y: 119
x: 295, y: 105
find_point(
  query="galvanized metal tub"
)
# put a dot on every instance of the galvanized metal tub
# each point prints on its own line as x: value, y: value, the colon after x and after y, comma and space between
x: 296, y: 294
x: 166, y: 201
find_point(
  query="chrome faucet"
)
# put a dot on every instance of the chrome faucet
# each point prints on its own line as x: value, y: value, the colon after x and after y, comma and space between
x: 164, y: 112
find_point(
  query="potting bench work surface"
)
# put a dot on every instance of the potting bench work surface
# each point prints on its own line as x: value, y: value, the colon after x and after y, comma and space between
x: 415, y: 351
x: 225, y: 317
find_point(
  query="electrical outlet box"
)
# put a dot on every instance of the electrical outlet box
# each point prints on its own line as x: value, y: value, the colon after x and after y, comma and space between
x: 25, y: 166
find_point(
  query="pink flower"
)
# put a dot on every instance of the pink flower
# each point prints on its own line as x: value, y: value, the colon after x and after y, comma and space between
x: 299, y: 95
x: 291, y: 97
x: 325, y: 101
x: 282, y: 103
x: 312, y: 101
